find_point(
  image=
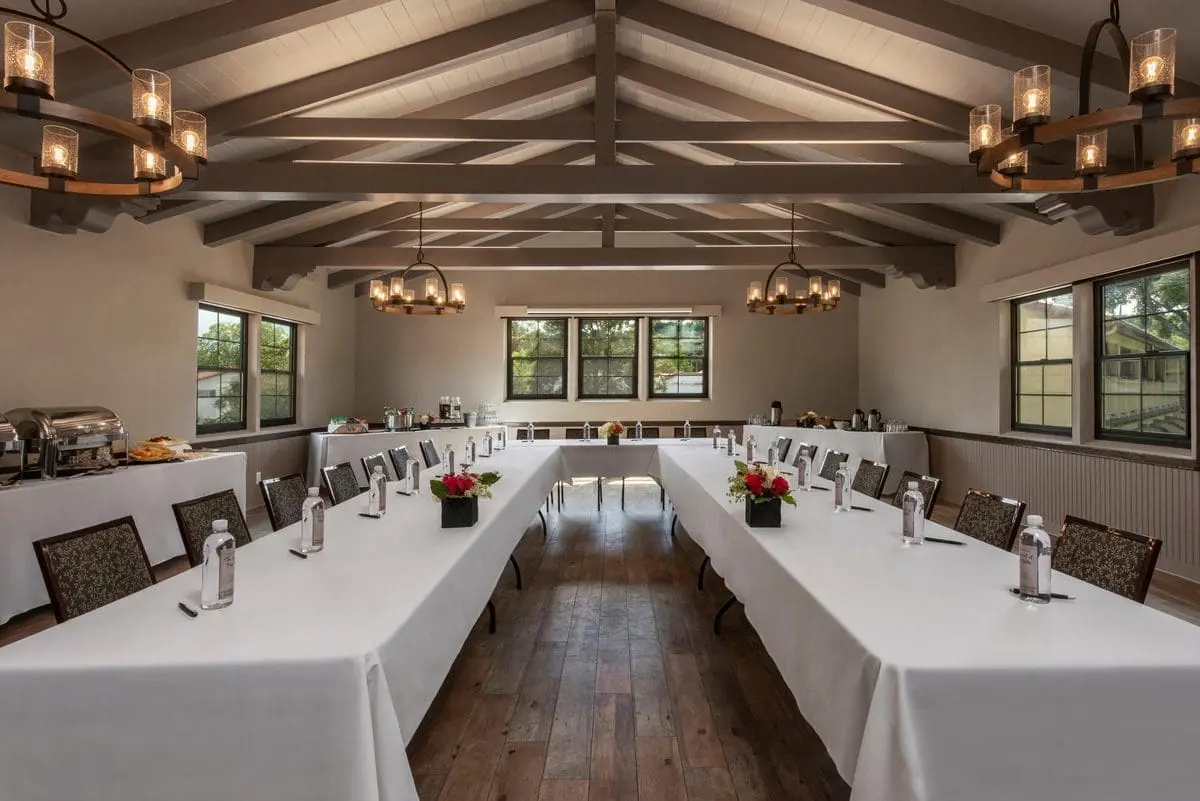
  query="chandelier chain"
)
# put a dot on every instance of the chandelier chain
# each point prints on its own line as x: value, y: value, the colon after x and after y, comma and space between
x: 420, y: 231
x: 47, y: 8
x: 792, y: 237
x: 1114, y: 11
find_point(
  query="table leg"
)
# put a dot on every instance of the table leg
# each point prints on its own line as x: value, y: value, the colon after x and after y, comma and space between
x: 662, y: 497
x: 700, y: 580
x: 674, y: 520
x: 599, y: 493
x: 491, y: 618
x: 622, y: 493
x: 721, y: 613
x: 560, y: 495
x: 517, y: 567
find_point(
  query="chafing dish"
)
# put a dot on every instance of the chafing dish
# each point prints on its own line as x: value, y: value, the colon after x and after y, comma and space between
x: 65, y: 440
x: 10, y: 450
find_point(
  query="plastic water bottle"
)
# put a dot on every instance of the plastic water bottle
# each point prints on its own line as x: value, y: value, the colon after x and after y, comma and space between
x: 587, y: 431
x: 216, y: 577
x: 912, y: 506
x: 771, y: 454
x: 312, y: 522
x: 1034, y: 554
x: 502, y: 439
x: 470, y: 450
x: 412, y: 478
x: 731, y: 448
x: 448, y: 460
x: 489, y: 444
x: 637, y: 430
x: 529, y: 434
x: 687, y: 429
x: 842, y: 491
x: 716, y: 437
x: 376, y: 493
x: 804, y: 468
x: 751, y: 447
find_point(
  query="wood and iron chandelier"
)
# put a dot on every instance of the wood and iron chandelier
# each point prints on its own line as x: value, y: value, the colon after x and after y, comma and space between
x: 168, y: 146
x: 812, y: 295
x: 439, y: 296
x: 1002, y: 149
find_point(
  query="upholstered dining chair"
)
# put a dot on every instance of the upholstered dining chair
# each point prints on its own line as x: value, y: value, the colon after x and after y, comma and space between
x: 990, y: 518
x: 195, y: 519
x: 429, y: 453
x: 804, y: 449
x: 1109, y: 558
x: 92, y: 567
x: 370, y: 462
x: 833, y: 460
x: 284, y: 497
x: 340, y: 482
x: 928, y: 486
x: 869, y: 478
x: 399, y: 457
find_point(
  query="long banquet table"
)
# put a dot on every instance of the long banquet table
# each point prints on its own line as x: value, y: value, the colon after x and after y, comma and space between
x: 924, y: 677
x: 900, y: 450
x: 35, y: 510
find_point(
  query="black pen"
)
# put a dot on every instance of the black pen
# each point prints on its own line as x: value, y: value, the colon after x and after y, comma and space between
x: 294, y: 552
x: 187, y: 610
x: 1058, y: 596
x: 822, y: 489
x: 944, y: 542
x: 862, y: 509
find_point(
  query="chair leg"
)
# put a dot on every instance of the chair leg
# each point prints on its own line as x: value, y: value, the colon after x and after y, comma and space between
x: 491, y: 618
x: 674, y: 520
x: 599, y: 491
x: 700, y: 580
x: 517, y: 568
x: 622, y: 493
x: 560, y: 495
x: 662, y: 497
x: 545, y: 532
x: 721, y: 613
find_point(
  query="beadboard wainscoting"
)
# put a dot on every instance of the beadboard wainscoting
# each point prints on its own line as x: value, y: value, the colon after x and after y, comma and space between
x: 272, y: 456
x: 1147, y: 497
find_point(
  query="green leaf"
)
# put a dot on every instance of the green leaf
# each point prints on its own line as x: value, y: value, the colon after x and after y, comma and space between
x: 489, y: 478
x: 438, y: 489
x: 741, y: 466
x: 788, y: 499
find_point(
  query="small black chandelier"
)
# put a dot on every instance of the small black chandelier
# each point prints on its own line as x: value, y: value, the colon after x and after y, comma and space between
x: 440, y: 297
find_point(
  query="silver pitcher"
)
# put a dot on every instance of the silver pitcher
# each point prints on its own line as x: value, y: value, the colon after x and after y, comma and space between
x: 858, y: 422
x: 875, y: 420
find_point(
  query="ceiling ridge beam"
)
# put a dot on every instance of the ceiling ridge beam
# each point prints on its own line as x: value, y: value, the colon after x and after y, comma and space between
x: 605, y: 106
x: 541, y: 224
x: 770, y: 57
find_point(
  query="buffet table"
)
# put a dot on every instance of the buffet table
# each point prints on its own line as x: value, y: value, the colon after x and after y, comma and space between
x: 901, y: 450
x: 330, y: 449
x: 925, y: 678
x: 38, y: 509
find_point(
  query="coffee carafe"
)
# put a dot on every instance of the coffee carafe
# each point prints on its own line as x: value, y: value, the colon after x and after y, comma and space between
x: 875, y: 420
x: 858, y: 421
x: 776, y: 417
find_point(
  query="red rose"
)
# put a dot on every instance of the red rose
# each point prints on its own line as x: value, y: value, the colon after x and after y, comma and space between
x: 465, y: 484
x: 451, y: 484
x: 754, y: 483
x: 779, y: 486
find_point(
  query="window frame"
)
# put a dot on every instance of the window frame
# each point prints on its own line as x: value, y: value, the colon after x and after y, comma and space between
x: 706, y: 391
x: 508, y: 359
x: 579, y: 359
x: 1015, y: 365
x: 265, y: 422
x: 1101, y: 359
x: 241, y: 425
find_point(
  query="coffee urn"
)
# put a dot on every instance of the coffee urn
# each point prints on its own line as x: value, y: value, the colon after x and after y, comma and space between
x: 776, y: 417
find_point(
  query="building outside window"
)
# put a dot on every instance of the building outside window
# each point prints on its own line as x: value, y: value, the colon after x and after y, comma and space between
x: 1043, y: 348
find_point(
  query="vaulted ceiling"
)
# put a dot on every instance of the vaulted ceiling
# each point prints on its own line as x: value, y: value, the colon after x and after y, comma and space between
x: 620, y: 134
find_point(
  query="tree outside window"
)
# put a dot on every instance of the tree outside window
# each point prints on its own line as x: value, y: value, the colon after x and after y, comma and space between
x: 679, y: 357
x: 220, y: 371
x: 537, y: 359
x: 608, y: 351
x: 277, y: 373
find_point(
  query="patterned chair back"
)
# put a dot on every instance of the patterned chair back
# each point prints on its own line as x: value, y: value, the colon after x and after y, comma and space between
x: 92, y: 567
x: 341, y: 482
x: 538, y: 433
x: 698, y: 432
x: 399, y: 458
x: 928, y: 486
x: 369, y: 463
x: 783, y: 445
x: 833, y: 460
x: 284, y: 497
x: 869, y: 478
x: 990, y: 518
x: 1114, y: 560
x: 429, y: 453
x: 648, y: 432
x: 804, y: 449
x: 195, y: 519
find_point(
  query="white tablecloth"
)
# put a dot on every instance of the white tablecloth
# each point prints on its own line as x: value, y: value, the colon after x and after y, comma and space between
x: 330, y: 449
x: 901, y: 450
x: 928, y: 681
x: 39, y: 509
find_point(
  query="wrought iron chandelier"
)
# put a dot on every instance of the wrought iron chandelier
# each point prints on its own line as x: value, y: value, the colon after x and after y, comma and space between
x: 820, y: 296
x: 1149, y: 60
x: 159, y: 135
x: 440, y: 297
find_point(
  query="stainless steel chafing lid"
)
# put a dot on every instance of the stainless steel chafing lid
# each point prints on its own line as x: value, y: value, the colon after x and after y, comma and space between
x: 8, y: 435
x: 64, y: 423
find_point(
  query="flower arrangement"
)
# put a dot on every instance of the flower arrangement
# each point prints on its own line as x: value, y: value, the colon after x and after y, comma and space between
x: 759, y: 483
x: 612, y: 429
x: 807, y: 420
x: 463, y: 485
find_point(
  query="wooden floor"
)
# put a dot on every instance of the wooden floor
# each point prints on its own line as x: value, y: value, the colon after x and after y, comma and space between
x: 605, y: 681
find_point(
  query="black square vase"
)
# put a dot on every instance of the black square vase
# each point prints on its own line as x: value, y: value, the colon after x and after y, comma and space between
x: 614, y: 440
x: 763, y: 515
x: 460, y: 512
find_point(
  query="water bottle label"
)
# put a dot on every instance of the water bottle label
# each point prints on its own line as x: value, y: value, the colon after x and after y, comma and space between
x: 839, y: 489
x: 318, y: 526
x: 801, y: 473
x: 382, y: 491
x: 225, y: 581
x: 1029, y: 570
x: 910, y: 519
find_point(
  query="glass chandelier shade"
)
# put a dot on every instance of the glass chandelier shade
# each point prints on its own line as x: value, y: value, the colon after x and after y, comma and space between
x: 439, y: 297
x: 985, y: 127
x: 148, y: 165
x: 813, y: 293
x: 1031, y: 97
x: 28, y: 59
x: 190, y: 133
x: 60, y: 152
x: 1152, y: 65
x: 1017, y: 163
x: 1185, y: 138
x: 1091, y: 153
x: 152, y: 99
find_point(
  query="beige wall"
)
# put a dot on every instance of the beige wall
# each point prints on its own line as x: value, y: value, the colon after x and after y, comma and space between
x: 810, y: 362
x: 104, y: 319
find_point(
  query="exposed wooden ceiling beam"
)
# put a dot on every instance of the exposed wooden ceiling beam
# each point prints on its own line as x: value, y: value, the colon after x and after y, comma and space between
x: 605, y: 106
x: 599, y: 184
x: 193, y: 37
x: 957, y: 224
x: 675, y: 87
x: 412, y: 62
x: 541, y: 224
x: 486, y: 258
x: 661, y: 129
x: 992, y: 40
x: 1029, y: 212
x: 562, y: 211
x: 770, y: 57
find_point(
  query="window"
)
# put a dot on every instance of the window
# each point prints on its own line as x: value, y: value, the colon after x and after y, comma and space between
x: 608, y: 351
x: 1143, y: 356
x: 679, y: 358
x: 277, y: 373
x: 220, y: 371
x: 537, y: 359
x: 1043, y: 345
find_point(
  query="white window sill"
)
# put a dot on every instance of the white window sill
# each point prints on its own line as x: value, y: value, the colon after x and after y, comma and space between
x: 248, y: 434
x: 1160, y: 451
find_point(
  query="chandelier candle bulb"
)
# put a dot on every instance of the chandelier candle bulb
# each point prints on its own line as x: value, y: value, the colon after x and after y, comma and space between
x: 781, y: 288
x: 28, y: 59
x: 457, y: 293
x: 1017, y: 163
x: 984, y: 128
x: 755, y: 292
x: 152, y: 99
x: 1031, y: 97
x: 1152, y: 66
x: 814, y: 286
x: 60, y: 152
x: 431, y: 288
x: 397, y: 288
x: 1185, y: 138
x: 148, y: 165
x: 190, y: 133
x: 1091, y: 153
x: 834, y: 288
